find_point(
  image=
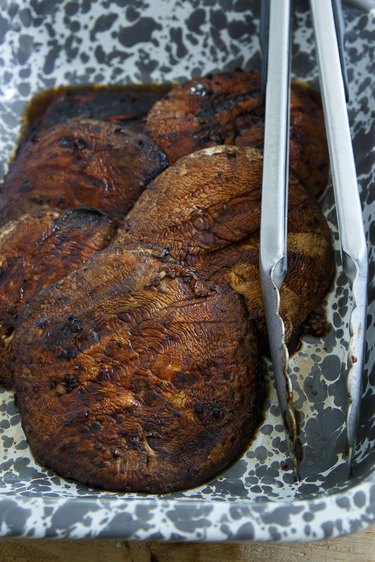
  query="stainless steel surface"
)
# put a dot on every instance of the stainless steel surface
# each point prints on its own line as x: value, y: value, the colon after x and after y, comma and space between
x: 264, y: 23
x: 273, y: 231
x: 348, y: 208
x: 340, y: 34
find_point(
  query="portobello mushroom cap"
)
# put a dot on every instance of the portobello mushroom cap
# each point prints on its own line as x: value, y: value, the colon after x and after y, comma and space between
x: 135, y: 375
x: 205, y: 209
x: 36, y: 250
x: 81, y: 162
x: 228, y: 109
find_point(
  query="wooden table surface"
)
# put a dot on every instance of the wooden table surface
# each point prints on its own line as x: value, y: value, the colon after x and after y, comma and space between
x: 359, y: 547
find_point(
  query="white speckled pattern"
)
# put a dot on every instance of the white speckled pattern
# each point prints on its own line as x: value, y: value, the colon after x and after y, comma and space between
x: 46, y: 43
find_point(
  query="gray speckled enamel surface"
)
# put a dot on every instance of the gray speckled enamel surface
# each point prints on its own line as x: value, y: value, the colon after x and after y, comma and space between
x: 44, y: 43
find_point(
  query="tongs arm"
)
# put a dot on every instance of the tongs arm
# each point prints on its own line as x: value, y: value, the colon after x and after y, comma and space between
x: 348, y: 207
x: 276, y: 42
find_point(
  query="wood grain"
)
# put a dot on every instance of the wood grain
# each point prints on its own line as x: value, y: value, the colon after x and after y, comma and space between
x: 359, y: 547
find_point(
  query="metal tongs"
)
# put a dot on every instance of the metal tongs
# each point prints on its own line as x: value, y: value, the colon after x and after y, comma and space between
x: 276, y: 46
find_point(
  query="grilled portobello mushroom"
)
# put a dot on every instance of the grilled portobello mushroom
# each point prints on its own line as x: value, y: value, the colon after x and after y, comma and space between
x: 136, y: 375
x: 81, y: 162
x: 228, y: 109
x: 35, y: 251
x: 206, y: 210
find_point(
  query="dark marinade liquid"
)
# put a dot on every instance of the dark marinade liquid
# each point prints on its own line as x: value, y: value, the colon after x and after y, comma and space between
x: 119, y: 104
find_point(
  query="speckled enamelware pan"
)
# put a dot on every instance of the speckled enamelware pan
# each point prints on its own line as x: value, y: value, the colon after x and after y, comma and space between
x: 44, y: 43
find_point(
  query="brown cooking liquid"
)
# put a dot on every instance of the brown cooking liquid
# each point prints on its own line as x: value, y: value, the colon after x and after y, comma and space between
x: 114, y: 103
